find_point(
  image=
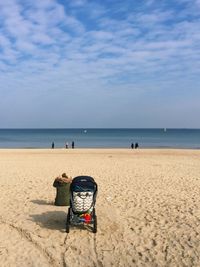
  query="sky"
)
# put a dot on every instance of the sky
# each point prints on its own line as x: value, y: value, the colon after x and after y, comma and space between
x: 99, y: 63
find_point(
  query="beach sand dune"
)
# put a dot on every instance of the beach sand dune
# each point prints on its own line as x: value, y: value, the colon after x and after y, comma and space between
x: 148, y: 208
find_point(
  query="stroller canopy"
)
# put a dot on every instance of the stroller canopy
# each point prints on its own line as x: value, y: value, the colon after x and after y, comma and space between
x: 83, y: 183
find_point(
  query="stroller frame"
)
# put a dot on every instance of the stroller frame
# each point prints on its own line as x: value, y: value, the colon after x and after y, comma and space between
x: 82, y: 184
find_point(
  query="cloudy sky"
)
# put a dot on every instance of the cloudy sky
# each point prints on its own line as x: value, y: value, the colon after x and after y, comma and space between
x: 99, y: 63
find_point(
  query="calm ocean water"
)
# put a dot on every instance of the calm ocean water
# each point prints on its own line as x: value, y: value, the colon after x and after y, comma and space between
x: 100, y: 138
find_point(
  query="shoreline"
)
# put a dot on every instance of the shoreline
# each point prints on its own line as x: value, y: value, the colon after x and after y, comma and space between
x: 101, y: 148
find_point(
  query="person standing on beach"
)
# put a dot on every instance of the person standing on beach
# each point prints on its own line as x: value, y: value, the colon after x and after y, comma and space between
x: 66, y: 145
x: 136, y: 145
x: 52, y: 145
x: 72, y: 144
x: 132, y: 145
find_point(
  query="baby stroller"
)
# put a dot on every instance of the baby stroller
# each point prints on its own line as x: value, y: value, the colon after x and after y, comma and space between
x: 83, y: 192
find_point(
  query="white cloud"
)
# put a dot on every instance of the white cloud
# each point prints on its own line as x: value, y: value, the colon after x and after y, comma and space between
x: 78, y: 3
x: 4, y: 41
x: 147, y: 19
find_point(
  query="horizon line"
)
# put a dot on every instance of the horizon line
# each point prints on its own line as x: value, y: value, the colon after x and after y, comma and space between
x: 102, y: 128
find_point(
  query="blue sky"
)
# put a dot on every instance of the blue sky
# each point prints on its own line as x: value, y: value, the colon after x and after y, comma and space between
x: 99, y: 63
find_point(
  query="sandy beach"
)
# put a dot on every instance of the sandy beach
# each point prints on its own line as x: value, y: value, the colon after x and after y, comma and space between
x: 148, y: 208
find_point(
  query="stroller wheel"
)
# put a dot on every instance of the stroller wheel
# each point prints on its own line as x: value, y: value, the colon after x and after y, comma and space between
x: 68, y: 221
x: 94, y: 213
x: 95, y: 224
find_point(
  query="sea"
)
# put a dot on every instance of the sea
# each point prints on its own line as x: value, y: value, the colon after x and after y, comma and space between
x: 100, y: 138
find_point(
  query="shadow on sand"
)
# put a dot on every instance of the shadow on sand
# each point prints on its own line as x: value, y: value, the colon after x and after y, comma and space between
x: 54, y: 220
x: 42, y: 202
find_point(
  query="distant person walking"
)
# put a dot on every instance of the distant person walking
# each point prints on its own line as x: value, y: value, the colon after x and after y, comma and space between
x: 136, y: 145
x: 72, y: 144
x: 132, y: 145
x: 66, y: 145
x: 52, y: 145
